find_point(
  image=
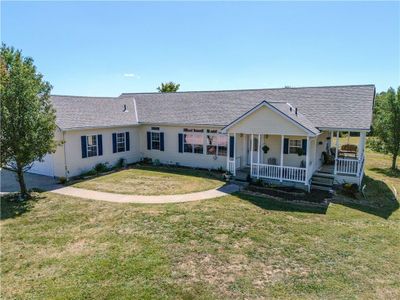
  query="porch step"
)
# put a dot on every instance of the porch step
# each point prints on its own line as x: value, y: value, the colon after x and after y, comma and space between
x: 322, y: 181
x: 321, y: 187
x: 322, y: 174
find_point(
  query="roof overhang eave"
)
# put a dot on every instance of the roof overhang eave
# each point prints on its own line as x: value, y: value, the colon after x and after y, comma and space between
x: 97, y: 127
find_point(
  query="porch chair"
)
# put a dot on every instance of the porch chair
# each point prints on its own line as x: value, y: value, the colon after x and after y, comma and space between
x: 272, y: 161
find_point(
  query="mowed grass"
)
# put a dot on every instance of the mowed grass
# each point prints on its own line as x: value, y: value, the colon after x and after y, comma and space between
x: 58, y: 247
x: 148, y: 180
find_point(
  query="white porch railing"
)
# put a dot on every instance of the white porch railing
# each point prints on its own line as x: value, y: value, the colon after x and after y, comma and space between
x: 233, y: 165
x: 277, y: 172
x: 348, y: 166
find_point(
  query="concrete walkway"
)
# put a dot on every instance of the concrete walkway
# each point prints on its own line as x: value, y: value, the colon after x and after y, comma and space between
x: 122, y: 198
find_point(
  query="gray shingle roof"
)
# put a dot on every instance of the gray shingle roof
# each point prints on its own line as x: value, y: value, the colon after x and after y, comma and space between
x: 83, y: 112
x: 323, y: 107
x: 298, y: 118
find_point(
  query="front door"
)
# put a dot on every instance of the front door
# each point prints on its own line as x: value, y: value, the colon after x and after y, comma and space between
x: 248, y: 146
x: 248, y: 149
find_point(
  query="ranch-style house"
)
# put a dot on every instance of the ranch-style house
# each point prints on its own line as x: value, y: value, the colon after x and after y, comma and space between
x: 288, y: 136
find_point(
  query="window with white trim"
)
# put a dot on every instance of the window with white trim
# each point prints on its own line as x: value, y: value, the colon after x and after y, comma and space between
x: 91, y: 142
x: 121, y: 142
x: 193, y: 143
x: 294, y: 146
x: 155, y: 140
x: 217, y: 144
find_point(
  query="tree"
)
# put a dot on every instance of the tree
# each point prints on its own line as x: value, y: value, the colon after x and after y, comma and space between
x: 27, y: 115
x: 387, y: 122
x: 168, y: 87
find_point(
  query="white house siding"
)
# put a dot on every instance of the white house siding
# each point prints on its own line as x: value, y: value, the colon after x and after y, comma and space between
x: 49, y: 166
x: 73, y: 153
x: 171, y: 154
x: 266, y: 121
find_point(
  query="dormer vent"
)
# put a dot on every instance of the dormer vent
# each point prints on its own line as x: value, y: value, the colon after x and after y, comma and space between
x: 125, y: 109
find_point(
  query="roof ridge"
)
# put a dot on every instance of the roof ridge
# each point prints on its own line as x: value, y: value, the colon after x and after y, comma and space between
x: 75, y: 96
x: 255, y: 89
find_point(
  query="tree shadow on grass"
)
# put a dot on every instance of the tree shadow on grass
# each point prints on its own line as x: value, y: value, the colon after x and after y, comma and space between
x: 12, y: 207
x: 379, y: 199
x: 272, y: 204
x: 387, y: 172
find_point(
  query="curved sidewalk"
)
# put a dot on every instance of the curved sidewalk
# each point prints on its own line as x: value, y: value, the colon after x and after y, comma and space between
x: 122, y: 198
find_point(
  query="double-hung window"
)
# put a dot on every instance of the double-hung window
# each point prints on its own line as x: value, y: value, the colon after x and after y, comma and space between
x: 155, y: 140
x: 217, y: 144
x: 121, y: 142
x: 91, y: 142
x: 294, y: 146
x: 193, y: 143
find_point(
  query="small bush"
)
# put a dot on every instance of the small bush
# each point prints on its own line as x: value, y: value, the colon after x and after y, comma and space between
x: 88, y: 173
x: 147, y: 160
x: 101, y: 168
x: 248, y: 178
x: 156, y: 162
x: 62, y: 180
x: 259, y: 182
x: 120, y: 163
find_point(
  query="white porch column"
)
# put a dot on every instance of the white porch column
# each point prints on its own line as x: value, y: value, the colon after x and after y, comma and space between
x: 307, y: 158
x: 360, y: 153
x: 234, y: 154
x: 281, y: 164
x: 336, y: 151
x: 361, y: 145
x: 228, y: 156
x: 251, y: 155
x: 258, y: 155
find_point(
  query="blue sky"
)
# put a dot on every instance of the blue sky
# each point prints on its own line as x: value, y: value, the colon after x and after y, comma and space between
x: 105, y: 48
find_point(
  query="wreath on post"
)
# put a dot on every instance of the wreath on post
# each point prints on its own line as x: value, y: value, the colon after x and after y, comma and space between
x: 300, y: 151
x: 265, y: 149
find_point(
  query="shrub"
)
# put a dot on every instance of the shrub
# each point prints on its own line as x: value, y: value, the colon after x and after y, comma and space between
x: 88, y: 173
x: 156, y: 162
x: 147, y: 160
x: 120, y: 163
x: 259, y: 182
x: 248, y: 178
x: 101, y: 168
x: 62, y: 180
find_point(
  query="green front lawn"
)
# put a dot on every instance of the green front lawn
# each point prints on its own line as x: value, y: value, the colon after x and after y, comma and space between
x: 149, y: 180
x: 238, y: 246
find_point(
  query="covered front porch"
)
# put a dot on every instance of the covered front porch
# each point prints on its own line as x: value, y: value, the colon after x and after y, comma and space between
x: 274, y: 141
x: 295, y: 158
x: 265, y: 156
x: 344, y: 154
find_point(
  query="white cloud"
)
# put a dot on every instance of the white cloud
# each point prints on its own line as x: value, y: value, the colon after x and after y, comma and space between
x: 131, y: 75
